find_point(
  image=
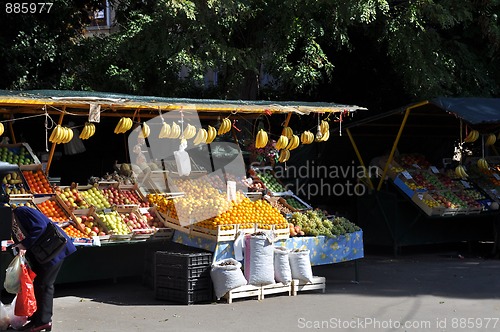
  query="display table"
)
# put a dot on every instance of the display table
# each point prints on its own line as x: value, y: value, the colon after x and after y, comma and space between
x: 323, y: 250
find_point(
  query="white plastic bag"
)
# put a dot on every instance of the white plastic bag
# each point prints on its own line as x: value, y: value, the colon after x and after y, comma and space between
x: 300, y: 264
x: 182, y: 160
x: 4, y: 317
x: 282, y: 271
x: 259, y: 260
x: 226, y: 275
x: 12, y: 275
x: 16, y: 322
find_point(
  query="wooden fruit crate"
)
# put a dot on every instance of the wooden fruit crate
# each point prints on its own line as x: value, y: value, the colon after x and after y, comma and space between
x: 275, y: 289
x: 217, y: 235
x: 418, y: 199
x: 300, y: 285
x: 245, y: 291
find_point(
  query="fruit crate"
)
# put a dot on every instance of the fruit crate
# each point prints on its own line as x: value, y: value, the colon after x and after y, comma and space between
x: 408, y: 186
x: 219, y: 234
x: 189, y: 285
x: 428, y: 204
x: 184, y: 259
x: 142, y: 233
x: 294, y: 203
x: 18, y: 149
x: 67, y: 213
x: 268, y: 177
x: 37, y: 170
x: 13, y: 183
x: 184, y: 297
x: 134, y: 189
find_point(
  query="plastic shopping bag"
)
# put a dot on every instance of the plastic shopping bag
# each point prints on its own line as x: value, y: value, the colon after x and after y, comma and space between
x: 4, y: 317
x: 12, y: 275
x: 26, y: 302
x: 16, y: 322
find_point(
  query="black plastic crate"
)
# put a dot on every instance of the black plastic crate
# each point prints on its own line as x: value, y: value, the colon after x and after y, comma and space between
x: 186, y: 259
x: 193, y: 284
x: 184, y: 297
x: 181, y: 271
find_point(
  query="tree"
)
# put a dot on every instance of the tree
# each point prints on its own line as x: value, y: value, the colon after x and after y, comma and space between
x: 36, y: 48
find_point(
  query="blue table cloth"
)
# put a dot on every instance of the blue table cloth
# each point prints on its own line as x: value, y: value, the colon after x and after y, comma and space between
x: 323, y: 250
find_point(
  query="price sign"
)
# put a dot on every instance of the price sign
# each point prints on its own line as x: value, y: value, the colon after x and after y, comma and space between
x: 407, y: 175
x: 496, y: 176
x: 416, y: 166
x: 434, y: 170
x: 143, y: 210
x: 420, y: 196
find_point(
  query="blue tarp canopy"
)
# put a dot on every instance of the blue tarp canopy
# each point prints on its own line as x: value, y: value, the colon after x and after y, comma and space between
x: 475, y: 111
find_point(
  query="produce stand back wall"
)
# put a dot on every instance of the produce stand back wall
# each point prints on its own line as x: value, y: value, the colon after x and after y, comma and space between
x: 390, y: 218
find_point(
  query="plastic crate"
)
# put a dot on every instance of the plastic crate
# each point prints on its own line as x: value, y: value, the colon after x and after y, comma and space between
x: 184, y: 297
x: 181, y: 271
x: 193, y: 284
x: 187, y: 259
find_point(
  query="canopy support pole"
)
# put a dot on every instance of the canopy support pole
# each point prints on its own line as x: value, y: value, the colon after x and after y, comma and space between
x: 396, y: 141
x: 53, y: 146
x: 356, y: 150
x: 11, y: 129
x: 287, y: 120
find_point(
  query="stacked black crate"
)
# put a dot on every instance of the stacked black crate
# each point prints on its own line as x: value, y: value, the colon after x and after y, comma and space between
x: 183, y: 277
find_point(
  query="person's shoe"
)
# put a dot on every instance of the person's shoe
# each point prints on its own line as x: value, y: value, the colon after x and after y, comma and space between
x: 33, y: 327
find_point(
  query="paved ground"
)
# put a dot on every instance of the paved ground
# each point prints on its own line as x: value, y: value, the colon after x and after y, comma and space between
x: 419, y: 291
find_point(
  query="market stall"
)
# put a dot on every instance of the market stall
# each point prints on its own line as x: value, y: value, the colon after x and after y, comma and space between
x: 207, y: 194
x: 437, y: 182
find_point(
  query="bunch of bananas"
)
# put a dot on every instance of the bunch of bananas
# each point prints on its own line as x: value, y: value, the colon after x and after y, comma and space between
x: 288, y: 132
x: 490, y: 139
x: 212, y: 133
x: 460, y: 172
x: 225, y: 126
x: 324, y: 129
x: 282, y: 142
x: 284, y: 156
x: 88, y: 130
x: 170, y: 131
x: 145, y: 131
x: 483, y: 164
x: 123, y: 125
x: 1, y: 128
x: 164, y: 131
x: 472, y: 136
x: 307, y: 137
x: 261, y: 139
x: 61, y: 134
x: 201, y: 137
x: 293, y: 143
x: 189, y: 131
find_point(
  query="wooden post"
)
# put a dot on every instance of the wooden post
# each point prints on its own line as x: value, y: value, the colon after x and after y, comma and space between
x: 356, y: 150
x: 11, y: 128
x: 53, y: 146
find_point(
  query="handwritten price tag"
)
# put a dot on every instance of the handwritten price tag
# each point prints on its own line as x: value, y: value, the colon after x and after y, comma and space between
x: 496, y: 176
x: 407, y: 175
x: 466, y: 184
x: 434, y: 170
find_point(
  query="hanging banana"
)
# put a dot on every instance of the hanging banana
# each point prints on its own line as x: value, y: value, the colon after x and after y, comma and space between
x: 460, y: 172
x: 164, y: 131
x: 175, y: 130
x: 490, y: 140
x: 284, y: 156
x: 282, y: 142
x: 87, y: 131
x: 293, y: 143
x: 472, y: 136
x: 225, y: 126
x: 287, y: 131
x: 483, y: 164
x: 261, y: 139
x: 189, y: 131
x: 145, y: 130
x: 2, y: 129
x: 201, y: 136
x: 307, y: 137
x: 212, y: 133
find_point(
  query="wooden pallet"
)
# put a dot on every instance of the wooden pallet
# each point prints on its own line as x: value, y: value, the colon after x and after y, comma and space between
x: 300, y: 285
x: 243, y: 292
x: 275, y: 289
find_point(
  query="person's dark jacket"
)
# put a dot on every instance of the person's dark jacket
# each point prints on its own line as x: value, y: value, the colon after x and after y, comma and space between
x: 33, y: 224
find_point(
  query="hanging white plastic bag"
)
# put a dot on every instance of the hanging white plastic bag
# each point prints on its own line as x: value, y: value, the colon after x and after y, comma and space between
x: 16, y: 322
x: 4, y: 317
x: 12, y: 275
x: 182, y: 160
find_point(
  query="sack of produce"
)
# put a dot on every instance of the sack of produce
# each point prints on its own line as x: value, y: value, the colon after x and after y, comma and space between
x: 282, y: 271
x: 259, y: 260
x: 226, y: 275
x: 300, y: 264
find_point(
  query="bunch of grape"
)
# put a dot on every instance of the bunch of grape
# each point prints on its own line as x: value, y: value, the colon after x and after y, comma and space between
x: 314, y: 223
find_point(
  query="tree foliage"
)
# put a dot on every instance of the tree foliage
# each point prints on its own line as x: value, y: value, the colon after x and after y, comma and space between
x: 368, y: 52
